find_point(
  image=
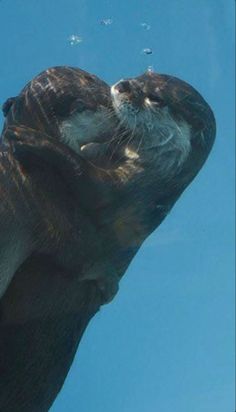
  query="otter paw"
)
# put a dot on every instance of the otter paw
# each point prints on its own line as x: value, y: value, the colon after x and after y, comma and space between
x: 108, y: 286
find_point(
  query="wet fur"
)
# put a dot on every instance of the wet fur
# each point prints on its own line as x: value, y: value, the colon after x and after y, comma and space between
x: 73, y: 215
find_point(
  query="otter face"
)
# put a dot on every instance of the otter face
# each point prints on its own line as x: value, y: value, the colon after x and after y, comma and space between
x: 66, y: 103
x: 157, y: 135
x: 85, y: 127
x: 168, y: 120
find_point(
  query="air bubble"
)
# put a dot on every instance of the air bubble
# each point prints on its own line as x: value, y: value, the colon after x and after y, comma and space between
x: 74, y: 40
x: 150, y: 69
x: 106, y: 22
x: 146, y: 26
x: 147, y: 51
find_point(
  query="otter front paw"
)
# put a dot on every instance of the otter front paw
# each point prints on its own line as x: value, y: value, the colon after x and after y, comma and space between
x: 108, y: 287
x: 106, y: 278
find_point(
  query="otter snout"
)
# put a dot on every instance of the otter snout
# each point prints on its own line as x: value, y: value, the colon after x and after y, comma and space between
x: 128, y: 91
x: 123, y: 86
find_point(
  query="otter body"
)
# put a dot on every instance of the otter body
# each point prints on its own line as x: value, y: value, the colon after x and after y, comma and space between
x: 87, y: 173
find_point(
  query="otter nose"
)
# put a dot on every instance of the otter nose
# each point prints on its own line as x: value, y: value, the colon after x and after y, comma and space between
x: 123, y: 86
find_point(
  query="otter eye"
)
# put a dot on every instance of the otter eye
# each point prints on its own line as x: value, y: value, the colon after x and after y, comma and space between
x: 156, y: 99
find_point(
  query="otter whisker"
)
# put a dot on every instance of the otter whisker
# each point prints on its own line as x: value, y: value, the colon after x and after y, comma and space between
x: 118, y: 143
x: 118, y: 137
x: 109, y: 114
x: 133, y: 130
x: 125, y: 141
x: 171, y: 135
x: 140, y: 142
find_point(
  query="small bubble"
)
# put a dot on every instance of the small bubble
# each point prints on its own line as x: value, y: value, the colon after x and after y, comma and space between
x: 147, y: 51
x: 146, y: 26
x: 106, y: 22
x: 74, y: 40
x: 150, y: 69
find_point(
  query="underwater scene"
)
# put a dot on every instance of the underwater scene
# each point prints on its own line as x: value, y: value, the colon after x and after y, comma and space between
x: 117, y: 205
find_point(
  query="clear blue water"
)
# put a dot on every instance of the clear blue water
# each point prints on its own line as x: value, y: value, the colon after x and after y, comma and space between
x: 166, y: 342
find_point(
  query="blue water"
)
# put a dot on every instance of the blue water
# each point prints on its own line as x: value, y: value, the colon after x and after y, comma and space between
x: 166, y: 342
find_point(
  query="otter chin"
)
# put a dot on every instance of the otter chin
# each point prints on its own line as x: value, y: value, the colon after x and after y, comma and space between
x: 87, y: 172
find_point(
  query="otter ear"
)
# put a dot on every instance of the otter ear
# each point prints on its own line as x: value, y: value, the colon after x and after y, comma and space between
x: 7, y: 105
x: 33, y: 148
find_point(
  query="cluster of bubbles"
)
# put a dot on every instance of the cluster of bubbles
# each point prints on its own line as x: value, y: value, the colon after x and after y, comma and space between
x: 74, y: 39
x: 145, y: 26
x: 106, y: 22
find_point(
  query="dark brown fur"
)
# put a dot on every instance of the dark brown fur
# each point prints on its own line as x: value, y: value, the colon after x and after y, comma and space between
x: 75, y: 216
x: 49, y: 99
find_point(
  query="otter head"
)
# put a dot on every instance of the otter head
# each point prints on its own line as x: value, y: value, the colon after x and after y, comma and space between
x: 68, y: 104
x: 170, y: 125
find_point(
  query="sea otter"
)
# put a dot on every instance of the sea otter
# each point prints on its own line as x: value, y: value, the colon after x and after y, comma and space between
x: 87, y: 172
